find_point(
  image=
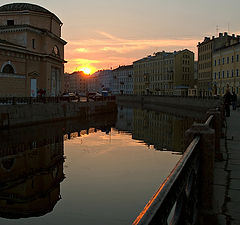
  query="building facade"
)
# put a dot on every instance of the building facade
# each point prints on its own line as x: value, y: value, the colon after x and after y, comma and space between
x: 164, y: 73
x: 76, y: 83
x: 123, y: 80
x: 101, y: 80
x: 205, y: 60
x: 31, y: 51
x: 226, y: 69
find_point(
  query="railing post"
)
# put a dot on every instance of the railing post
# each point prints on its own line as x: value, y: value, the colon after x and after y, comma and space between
x: 217, y: 126
x: 13, y: 101
x: 30, y: 100
x: 207, y: 154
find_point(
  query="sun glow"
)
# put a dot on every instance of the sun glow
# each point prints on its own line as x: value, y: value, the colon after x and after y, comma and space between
x: 86, y: 70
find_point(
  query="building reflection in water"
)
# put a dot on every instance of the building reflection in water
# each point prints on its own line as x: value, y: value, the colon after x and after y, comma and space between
x: 159, y: 130
x: 31, y: 164
x: 30, y: 176
x: 31, y: 158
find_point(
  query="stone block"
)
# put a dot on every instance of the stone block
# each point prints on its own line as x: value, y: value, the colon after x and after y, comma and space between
x: 221, y: 220
x: 218, y: 198
x: 220, y: 177
x: 235, y: 185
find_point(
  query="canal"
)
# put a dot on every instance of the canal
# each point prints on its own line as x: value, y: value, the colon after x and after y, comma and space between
x: 101, y: 171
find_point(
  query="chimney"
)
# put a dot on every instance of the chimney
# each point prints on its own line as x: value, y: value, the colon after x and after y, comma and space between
x: 220, y: 34
x: 213, y: 37
x: 233, y: 35
x: 225, y: 33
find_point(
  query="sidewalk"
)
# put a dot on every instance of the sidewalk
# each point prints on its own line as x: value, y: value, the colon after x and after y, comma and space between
x: 227, y: 174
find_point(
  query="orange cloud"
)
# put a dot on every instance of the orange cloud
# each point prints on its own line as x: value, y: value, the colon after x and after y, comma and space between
x: 82, y: 50
x: 106, y: 50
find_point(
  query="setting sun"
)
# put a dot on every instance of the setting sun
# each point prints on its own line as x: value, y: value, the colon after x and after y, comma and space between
x: 86, y: 70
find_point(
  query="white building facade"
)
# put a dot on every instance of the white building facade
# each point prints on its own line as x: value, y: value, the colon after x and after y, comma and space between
x: 123, y: 80
x: 100, y: 81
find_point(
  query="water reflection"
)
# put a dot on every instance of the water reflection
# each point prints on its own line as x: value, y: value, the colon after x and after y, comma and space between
x: 31, y: 165
x: 111, y: 164
x: 30, y: 175
x: 159, y: 130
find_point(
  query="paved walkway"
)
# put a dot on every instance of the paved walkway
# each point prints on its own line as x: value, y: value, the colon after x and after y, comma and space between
x: 227, y: 174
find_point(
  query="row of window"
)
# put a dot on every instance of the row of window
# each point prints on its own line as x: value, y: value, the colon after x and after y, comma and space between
x: 226, y: 75
x: 205, y: 47
x: 163, y: 62
x: 227, y: 60
x: 204, y: 65
x: 154, y: 78
x: 155, y: 71
x: 204, y: 75
x: 223, y: 89
x: 186, y: 69
x: 186, y: 56
x: 205, y: 56
x: 185, y: 62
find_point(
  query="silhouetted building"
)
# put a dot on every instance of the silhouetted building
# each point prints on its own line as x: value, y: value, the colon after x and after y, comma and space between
x: 31, y: 51
x: 75, y: 82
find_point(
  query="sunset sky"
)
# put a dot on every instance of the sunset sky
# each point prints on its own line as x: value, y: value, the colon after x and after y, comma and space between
x: 104, y: 34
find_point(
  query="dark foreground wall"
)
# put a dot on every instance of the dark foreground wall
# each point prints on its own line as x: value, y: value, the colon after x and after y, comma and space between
x: 27, y: 114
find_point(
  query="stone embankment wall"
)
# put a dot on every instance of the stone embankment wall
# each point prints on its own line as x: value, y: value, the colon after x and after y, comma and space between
x: 27, y: 114
x: 155, y: 102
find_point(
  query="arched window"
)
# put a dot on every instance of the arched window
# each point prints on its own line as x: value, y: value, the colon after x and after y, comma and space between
x: 8, y: 69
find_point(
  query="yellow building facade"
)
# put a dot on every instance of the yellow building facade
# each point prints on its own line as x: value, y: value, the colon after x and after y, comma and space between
x: 205, y: 60
x: 31, y: 51
x: 164, y: 73
x: 226, y: 69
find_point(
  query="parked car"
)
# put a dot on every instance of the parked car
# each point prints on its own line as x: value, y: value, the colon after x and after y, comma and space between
x: 94, y: 95
x: 69, y: 96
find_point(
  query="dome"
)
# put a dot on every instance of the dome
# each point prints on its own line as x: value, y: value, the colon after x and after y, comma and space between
x: 25, y: 6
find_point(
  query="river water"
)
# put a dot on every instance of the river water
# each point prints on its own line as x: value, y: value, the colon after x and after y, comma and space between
x: 97, y: 172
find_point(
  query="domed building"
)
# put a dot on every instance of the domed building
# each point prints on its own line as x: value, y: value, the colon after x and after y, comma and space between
x: 31, y: 51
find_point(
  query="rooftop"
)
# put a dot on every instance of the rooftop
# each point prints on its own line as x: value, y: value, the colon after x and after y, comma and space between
x: 26, y: 7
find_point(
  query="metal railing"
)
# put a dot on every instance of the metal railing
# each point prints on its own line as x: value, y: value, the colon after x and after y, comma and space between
x: 176, y: 201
